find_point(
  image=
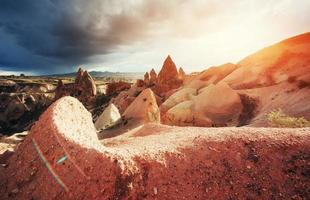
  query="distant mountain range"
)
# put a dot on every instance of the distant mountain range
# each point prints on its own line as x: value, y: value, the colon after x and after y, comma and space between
x: 100, y: 74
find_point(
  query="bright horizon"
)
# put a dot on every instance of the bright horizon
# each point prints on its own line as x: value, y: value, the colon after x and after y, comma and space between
x: 135, y: 36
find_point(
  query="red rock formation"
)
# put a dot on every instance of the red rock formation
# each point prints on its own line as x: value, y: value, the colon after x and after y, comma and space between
x: 168, y: 72
x: 62, y: 158
x: 140, y: 83
x: 117, y: 87
x: 182, y: 74
x: 83, y: 88
x: 167, y: 78
x: 60, y: 90
x: 208, y: 108
x: 85, y: 85
x: 153, y: 77
x: 79, y: 76
x: 146, y: 78
x: 144, y: 108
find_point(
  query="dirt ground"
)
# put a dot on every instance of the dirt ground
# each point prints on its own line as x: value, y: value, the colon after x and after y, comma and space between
x: 162, y: 162
x: 62, y: 158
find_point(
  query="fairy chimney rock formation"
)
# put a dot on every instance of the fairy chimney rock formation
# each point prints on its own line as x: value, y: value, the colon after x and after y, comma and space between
x: 83, y: 88
x: 60, y: 90
x: 146, y: 78
x: 168, y: 78
x: 153, y: 77
x: 79, y: 76
x: 181, y: 73
x: 168, y: 72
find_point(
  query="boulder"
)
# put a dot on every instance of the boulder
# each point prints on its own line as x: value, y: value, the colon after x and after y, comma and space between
x: 220, y: 103
x: 180, y: 115
x: 125, y: 98
x: 144, y: 108
x: 108, y: 118
x: 215, y: 105
x: 183, y: 94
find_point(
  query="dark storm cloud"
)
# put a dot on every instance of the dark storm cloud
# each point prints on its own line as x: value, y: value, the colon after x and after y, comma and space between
x: 39, y: 34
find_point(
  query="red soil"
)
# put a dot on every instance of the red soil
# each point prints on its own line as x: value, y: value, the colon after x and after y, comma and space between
x: 157, y: 162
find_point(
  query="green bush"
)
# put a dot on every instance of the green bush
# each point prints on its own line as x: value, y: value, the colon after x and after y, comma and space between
x: 277, y: 118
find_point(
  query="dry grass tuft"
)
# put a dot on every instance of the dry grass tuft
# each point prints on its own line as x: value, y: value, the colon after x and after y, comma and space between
x: 277, y: 118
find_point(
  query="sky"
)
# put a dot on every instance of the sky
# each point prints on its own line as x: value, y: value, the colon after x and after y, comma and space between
x: 57, y: 36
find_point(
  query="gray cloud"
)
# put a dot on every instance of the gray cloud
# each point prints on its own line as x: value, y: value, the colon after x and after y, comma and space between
x: 47, y: 36
x: 66, y: 33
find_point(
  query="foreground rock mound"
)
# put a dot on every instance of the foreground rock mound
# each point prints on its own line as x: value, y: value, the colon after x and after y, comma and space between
x: 62, y: 158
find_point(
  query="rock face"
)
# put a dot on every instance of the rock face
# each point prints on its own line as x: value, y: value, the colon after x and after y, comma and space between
x: 272, y: 78
x: 62, y: 158
x: 184, y: 94
x: 141, y: 109
x: 85, y: 85
x: 146, y: 78
x: 144, y: 108
x: 209, y: 107
x: 168, y: 77
x: 289, y: 59
x: 220, y: 103
x: 168, y: 72
x: 84, y: 88
x: 61, y: 90
x: 116, y: 87
x: 126, y: 97
x: 108, y: 118
x: 8, y: 86
x: 162, y: 85
x: 216, y: 74
x: 182, y: 74
x: 19, y: 110
x: 153, y: 77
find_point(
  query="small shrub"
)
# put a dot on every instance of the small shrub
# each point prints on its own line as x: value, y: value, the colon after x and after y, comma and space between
x: 277, y: 118
x: 102, y: 99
